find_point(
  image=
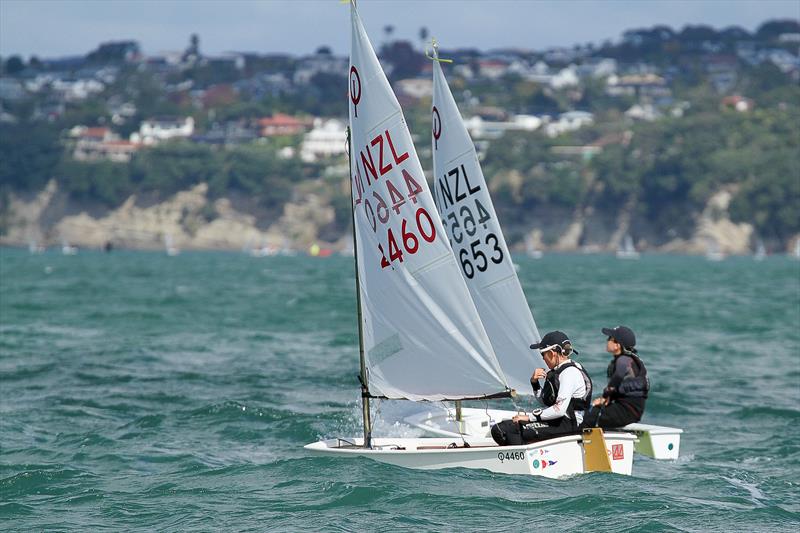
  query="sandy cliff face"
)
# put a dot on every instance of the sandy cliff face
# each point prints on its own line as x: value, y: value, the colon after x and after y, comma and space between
x: 24, y: 217
x: 715, y: 231
x: 191, y: 220
x: 188, y: 220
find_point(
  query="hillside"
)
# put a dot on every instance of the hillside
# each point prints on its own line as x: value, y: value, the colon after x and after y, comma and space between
x: 680, y: 139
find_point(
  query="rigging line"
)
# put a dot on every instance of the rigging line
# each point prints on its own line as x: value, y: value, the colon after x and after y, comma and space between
x: 377, y: 411
x: 458, y: 423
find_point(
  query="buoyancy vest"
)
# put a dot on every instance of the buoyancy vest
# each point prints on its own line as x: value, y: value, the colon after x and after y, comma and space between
x: 636, y: 386
x: 552, y: 384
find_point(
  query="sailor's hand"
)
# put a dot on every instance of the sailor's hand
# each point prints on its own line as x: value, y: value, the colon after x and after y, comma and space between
x: 521, y: 418
x: 539, y: 373
x: 598, y: 402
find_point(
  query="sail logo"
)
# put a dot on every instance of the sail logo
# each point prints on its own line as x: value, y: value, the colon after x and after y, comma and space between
x: 437, y: 128
x: 355, y: 89
x: 617, y: 452
x: 543, y: 463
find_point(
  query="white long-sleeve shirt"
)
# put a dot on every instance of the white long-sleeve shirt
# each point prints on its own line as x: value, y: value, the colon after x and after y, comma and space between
x: 570, y: 385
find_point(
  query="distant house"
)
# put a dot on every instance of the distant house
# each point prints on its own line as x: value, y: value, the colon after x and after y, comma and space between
x: 414, y: 88
x: 737, y: 103
x: 120, y: 111
x: 11, y: 89
x: 588, y: 151
x: 566, y: 77
x: 585, y: 152
x: 218, y: 95
x: 321, y: 62
x: 98, y: 143
x: 463, y: 71
x: 155, y: 130
x: 326, y: 139
x: 722, y: 71
x: 117, y: 151
x: 7, y: 118
x: 646, y: 112
x: 228, y: 133
x: 540, y: 72
x: 92, y: 134
x: 480, y: 128
x: 281, y: 124
x: 492, y: 68
x: 230, y: 60
x: 648, y: 85
x: 562, y: 55
x: 783, y: 59
x: 73, y: 90
x: 569, y: 121
x: 789, y: 38
x: 600, y: 67
x: 262, y: 85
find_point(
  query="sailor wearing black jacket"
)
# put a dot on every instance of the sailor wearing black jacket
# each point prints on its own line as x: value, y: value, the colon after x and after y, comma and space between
x: 623, y: 400
x: 565, y: 394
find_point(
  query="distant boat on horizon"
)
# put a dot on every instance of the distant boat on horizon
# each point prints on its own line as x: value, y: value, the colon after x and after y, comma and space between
x: 627, y: 250
x: 713, y: 252
x: 66, y: 249
x: 35, y: 248
x: 531, y: 250
x: 169, y: 246
x: 761, y: 252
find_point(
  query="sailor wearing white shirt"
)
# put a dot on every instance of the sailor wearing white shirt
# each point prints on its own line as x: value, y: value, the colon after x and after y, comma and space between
x: 565, y: 394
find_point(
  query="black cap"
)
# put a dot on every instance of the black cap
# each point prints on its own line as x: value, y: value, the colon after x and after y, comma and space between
x: 553, y: 338
x: 622, y: 335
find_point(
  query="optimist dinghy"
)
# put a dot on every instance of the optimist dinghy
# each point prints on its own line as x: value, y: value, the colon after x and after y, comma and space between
x: 421, y: 337
x: 470, y: 220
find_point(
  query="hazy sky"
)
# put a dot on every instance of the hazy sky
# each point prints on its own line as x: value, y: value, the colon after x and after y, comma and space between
x: 49, y: 28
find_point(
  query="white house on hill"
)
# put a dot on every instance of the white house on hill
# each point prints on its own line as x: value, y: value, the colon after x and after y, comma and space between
x: 326, y: 139
x: 155, y: 130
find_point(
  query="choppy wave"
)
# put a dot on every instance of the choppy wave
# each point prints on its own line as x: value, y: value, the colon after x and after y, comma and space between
x: 141, y: 392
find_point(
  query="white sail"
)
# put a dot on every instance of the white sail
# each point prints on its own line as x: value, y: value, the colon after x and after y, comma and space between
x: 761, y: 251
x: 626, y: 250
x: 423, y: 339
x: 467, y: 212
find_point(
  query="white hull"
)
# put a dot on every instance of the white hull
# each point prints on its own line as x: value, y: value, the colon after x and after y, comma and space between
x: 658, y: 442
x: 553, y: 458
x: 623, y: 254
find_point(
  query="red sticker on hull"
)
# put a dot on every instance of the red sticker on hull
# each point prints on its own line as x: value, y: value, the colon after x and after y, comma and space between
x: 617, y: 452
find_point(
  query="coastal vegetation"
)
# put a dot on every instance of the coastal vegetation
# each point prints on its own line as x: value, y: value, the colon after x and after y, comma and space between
x: 724, y: 115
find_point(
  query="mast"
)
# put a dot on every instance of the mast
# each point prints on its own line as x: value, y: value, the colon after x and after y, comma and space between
x: 362, y: 377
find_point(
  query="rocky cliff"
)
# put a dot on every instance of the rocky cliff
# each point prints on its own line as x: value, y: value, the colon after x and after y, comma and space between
x: 192, y: 220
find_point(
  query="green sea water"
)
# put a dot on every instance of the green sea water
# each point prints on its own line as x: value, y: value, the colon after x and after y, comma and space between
x: 146, y: 392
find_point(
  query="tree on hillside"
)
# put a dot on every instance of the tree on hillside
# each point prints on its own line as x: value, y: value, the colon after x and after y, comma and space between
x: 406, y: 61
x: 14, y: 65
x: 771, y: 29
x: 29, y: 156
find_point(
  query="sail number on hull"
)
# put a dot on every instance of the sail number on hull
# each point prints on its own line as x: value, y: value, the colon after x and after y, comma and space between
x: 382, y: 193
x: 462, y: 214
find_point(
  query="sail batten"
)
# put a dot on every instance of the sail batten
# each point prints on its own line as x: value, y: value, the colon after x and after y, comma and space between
x: 469, y: 217
x: 423, y: 338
